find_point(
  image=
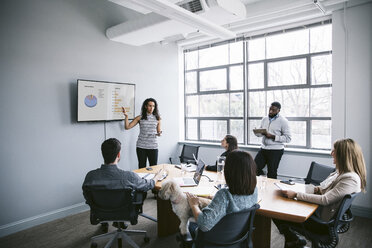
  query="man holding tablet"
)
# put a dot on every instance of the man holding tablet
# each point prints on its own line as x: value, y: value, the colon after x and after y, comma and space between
x: 274, y: 131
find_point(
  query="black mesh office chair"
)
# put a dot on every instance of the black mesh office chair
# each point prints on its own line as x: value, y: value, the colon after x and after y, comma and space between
x: 233, y: 231
x: 117, y: 205
x: 187, y: 154
x: 318, y: 172
x: 330, y: 239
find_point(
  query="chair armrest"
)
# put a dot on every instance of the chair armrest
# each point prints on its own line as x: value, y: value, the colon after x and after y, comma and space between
x: 138, y: 198
x: 320, y: 221
x: 348, y: 217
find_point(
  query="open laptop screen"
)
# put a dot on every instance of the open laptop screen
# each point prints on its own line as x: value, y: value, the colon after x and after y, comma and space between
x: 199, y: 171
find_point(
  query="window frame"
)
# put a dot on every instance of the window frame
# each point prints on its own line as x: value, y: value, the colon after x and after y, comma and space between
x: 245, y: 91
x: 199, y: 93
x: 308, y: 85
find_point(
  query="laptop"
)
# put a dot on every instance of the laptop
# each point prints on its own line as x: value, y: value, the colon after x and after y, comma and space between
x: 192, y: 181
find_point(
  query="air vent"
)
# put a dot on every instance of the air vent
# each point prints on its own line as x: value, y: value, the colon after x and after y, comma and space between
x: 193, y: 6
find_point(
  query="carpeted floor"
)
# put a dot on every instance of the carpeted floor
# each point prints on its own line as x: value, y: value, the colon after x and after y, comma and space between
x: 75, y: 232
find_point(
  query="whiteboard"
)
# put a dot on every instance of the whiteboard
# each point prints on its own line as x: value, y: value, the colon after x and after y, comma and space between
x: 103, y: 101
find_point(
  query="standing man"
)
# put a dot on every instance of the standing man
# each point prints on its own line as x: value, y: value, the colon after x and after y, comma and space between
x: 110, y: 176
x: 272, y: 148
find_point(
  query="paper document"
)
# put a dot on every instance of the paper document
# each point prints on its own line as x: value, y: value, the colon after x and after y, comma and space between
x: 281, y: 186
x: 147, y: 176
x: 189, y: 167
x: 201, y: 191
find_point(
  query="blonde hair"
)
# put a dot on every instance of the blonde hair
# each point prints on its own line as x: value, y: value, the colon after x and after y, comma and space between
x: 349, y: 158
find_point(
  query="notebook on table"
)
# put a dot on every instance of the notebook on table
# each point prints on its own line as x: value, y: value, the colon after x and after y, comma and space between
x: 192, y: 181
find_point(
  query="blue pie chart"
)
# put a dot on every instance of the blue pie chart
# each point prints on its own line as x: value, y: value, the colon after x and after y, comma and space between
x: 90, y: 101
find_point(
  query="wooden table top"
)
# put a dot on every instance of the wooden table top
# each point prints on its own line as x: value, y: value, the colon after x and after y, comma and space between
x: 272, y: 204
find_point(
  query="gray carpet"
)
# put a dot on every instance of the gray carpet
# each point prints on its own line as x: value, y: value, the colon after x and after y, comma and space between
x: 76, y: 230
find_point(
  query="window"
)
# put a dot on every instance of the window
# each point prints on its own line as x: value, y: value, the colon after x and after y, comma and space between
x: 214, y: 92
x: 229, y: 86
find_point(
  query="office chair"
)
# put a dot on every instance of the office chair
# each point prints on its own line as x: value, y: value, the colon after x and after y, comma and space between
x: 117, y: 205
x: 187, y: 154
x: 234, y: 230
x: 330, y: 239
x: 317, y: 173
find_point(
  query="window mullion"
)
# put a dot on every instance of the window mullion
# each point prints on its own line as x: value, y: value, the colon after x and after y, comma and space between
x: 308, y: 133
x: 285, y: 72
x: 245, y: 94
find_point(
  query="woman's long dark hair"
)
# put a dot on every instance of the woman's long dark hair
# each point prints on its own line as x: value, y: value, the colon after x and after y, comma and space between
x: 144, y: 110
x: 240, y: 173
x: 232, y: 141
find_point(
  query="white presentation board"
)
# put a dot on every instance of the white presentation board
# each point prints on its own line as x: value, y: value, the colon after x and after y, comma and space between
x: 102, y: 101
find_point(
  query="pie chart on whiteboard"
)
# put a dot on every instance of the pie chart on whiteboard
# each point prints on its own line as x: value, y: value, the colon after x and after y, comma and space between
x: 90, y: 101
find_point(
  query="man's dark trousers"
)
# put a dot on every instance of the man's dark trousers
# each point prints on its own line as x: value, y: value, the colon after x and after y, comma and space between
x: 271, y: 158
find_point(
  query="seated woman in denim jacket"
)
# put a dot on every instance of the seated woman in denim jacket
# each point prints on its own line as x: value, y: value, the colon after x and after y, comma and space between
x: 240, y: 176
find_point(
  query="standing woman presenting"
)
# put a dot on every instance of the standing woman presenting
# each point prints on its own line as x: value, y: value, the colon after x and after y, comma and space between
x: 150, y: 127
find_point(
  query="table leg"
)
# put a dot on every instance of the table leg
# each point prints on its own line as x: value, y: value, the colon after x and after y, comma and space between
x: 168, y: 222
x: 262, y: 234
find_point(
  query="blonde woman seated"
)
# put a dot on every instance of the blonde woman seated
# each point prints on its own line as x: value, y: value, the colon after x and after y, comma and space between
x: 349, y: 177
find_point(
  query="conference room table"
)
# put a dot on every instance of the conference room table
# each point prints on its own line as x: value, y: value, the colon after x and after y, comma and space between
x: 272, y: 204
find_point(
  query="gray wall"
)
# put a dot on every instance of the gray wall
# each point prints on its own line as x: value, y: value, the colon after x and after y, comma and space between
x: 352, y: 60
x: 45, y: 47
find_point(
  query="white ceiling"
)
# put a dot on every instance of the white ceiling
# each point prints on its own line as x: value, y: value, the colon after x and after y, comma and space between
x: 261, y: 16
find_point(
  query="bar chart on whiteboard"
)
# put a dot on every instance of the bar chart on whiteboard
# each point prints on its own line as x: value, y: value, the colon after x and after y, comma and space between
x: 103, y: 101
x: 119, y: 99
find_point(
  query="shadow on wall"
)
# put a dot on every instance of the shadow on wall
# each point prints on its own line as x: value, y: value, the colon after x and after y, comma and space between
x: 73, y: 102
x: 91, y: 9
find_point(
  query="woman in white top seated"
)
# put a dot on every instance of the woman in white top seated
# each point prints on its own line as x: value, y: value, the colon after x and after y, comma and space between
x: 349, y: 177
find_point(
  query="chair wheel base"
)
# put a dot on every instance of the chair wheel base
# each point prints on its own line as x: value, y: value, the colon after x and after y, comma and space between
x: 183, y: 242
x: 104, y: 227
x: 120, y: 243
x: 343, y: 228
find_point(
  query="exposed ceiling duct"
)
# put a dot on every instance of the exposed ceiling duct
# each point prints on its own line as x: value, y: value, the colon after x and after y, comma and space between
x: 320, y: 6
x: 164, y: 20
x: 267, y: 16
x: 199, y: 22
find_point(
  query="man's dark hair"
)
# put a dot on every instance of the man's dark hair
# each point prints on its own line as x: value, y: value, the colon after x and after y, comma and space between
x: 276, y: 104
x: 240, y: 173
x: 232, y: 141
x: 144, y: 110
x: 110, y: 149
